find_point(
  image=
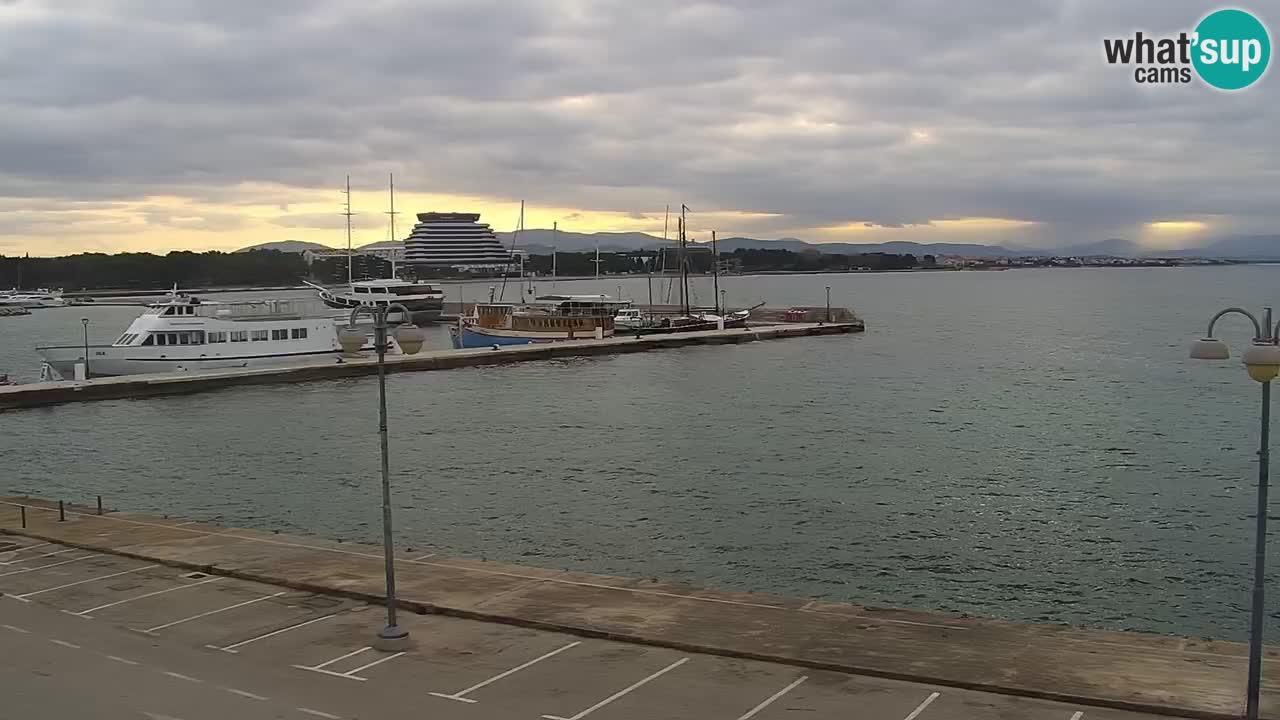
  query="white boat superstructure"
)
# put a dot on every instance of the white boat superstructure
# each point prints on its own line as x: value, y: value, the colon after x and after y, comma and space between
x: 33, y: 298
x: 424, y: 300
x: 187, y: 333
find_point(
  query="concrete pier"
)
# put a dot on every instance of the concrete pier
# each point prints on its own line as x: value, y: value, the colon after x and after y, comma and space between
x: 1119, y: 670
x: 135, y: 386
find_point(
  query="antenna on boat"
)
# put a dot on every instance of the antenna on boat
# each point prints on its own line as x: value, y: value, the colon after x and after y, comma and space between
x: 715, y: 271
x: 348, y: 213
x: 392, y: 212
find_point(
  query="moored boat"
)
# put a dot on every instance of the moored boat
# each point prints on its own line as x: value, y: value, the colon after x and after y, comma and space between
x: 423, y: 300
x: 186, y: 333
x: 42, y: 298
x: 548, y: 318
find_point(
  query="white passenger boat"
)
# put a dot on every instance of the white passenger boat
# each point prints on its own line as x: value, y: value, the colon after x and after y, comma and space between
x: 186, y: 333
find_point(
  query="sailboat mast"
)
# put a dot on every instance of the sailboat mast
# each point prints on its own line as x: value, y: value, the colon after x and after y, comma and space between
x: 684, y: 260
x: 555, y: 237
x: 715, y: 271
x: 515, y: 238
x: 392, y: 184
x: 348, y: 214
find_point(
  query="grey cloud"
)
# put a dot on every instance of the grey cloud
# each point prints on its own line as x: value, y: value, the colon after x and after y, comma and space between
x: 804, y: 110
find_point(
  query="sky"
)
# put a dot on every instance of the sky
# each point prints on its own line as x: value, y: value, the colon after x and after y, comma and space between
x: 146, y: 125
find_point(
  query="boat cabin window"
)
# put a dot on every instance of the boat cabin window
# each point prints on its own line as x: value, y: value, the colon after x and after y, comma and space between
x: 239, y: 335
x: 279, y: 334
x: 217, y: 337
x: 299, y: 333
x: 359, y: 289
x: 408, y: 290
x: 150, y: 340
x: 192, y: 337
x: 258, y: 335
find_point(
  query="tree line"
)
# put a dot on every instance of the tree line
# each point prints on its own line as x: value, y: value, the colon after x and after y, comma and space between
x: 145, y: 271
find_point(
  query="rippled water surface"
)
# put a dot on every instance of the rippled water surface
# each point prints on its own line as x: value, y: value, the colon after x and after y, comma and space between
x: 1028, y: 444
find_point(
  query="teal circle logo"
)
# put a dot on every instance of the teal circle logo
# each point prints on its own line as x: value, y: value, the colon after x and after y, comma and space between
x: 1232, y: 49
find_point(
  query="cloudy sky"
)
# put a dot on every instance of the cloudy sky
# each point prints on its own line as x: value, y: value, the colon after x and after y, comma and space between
x: 165, y: 124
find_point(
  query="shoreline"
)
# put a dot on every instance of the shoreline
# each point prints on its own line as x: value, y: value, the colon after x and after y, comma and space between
x: 157, y: 292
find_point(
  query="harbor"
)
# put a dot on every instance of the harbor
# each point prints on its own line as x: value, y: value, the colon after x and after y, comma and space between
x: 154, y: 384
x: 1089, y: 670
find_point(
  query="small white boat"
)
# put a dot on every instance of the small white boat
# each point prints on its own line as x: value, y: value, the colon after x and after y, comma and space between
x: 188, y: 334
x: 33, y: 299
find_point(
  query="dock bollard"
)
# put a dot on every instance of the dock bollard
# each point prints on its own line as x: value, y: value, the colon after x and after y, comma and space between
x: 99, y: 504
x: 62, y: 512
x: 22, y: 509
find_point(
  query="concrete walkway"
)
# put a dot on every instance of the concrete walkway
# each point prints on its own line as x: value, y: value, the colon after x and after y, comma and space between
x: 1119, y: 670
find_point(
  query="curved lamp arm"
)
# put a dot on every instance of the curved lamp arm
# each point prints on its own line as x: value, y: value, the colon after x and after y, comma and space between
x: 1257, y: 326
x: 382, y: 311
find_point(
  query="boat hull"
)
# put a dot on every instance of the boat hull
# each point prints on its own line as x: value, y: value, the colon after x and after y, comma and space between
x: 471, y: 336
x: 111, y: 361
x: 421, y: 310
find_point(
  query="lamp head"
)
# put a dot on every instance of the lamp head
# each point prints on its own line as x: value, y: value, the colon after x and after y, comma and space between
x: 1263, y: 362
x: 410, y: 338
x: 1209, y: 349
x: 351, y: 341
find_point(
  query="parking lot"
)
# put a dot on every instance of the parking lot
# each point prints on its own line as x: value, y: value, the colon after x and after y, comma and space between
x: 317, y: 648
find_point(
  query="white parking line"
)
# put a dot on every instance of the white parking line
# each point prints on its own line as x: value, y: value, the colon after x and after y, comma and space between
x: 232, y: 648
x: 321, y: 667
x: 245, y: 693
x: 1078, y: 714
x: 317, y: 713
x: 921, y: 707
x: 31, y: 547
x: 16, y: 629
x: 189, y: 522
x: 121, y: 660
x: 85, y: 613
x: 64, y: 643
x: 23, y: 597
x: 772, y: 698
x: 45, y: 567
x: 37, y: 557
x: 212, y: 612
x: 341, y: 657
x: 624, y: 691
x: 180, y: 676
x: 459, y: 695
x: 423, y: 557
x: 352, y: 673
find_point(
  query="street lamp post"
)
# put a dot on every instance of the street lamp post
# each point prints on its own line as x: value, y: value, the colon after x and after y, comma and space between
x: 85, y: 323
x: 410, y: 338
x: 1262, y: 360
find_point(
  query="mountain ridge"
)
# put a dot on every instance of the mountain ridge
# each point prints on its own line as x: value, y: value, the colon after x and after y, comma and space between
x: 543, y: 241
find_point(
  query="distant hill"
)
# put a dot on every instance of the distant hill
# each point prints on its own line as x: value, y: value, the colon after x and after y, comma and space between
x: 295, y: 246
x: 542, y: 241
x: 1240, y: 247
